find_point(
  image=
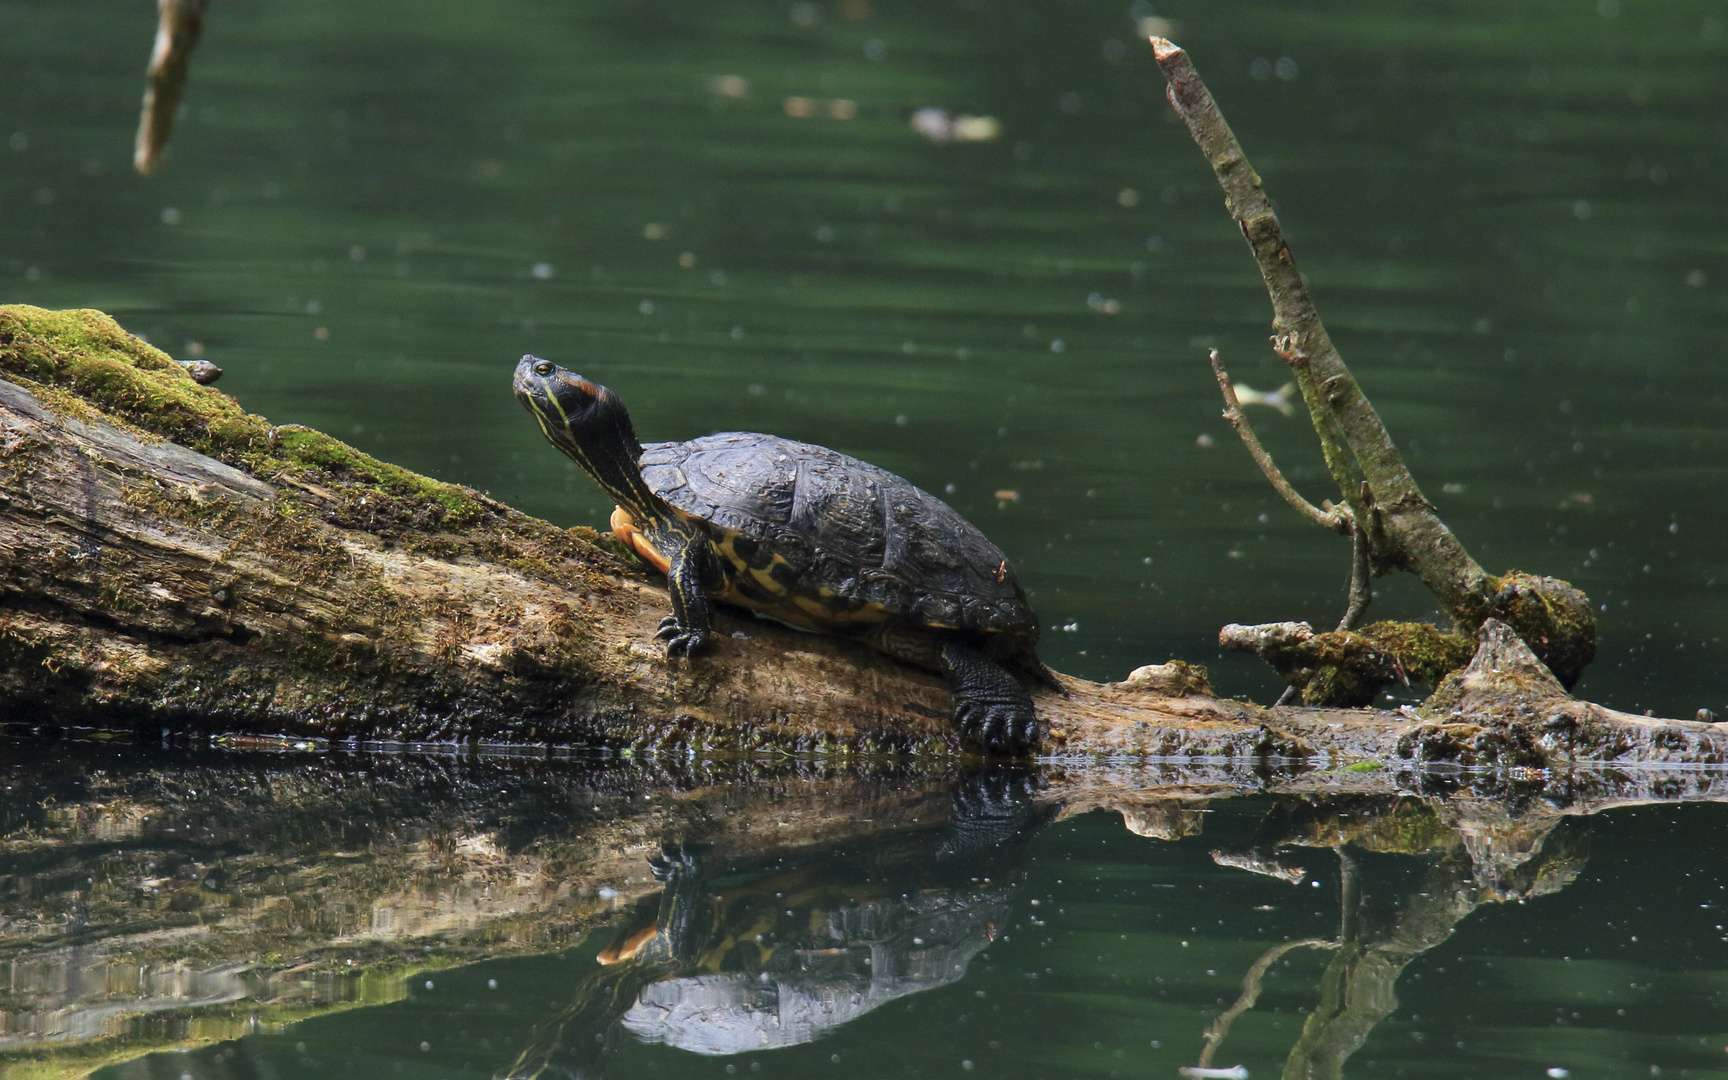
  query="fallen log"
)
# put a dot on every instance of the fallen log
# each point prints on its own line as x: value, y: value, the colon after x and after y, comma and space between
x: 173, y: 566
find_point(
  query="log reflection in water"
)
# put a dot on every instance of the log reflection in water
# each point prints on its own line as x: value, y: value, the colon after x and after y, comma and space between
x: 132, y: 882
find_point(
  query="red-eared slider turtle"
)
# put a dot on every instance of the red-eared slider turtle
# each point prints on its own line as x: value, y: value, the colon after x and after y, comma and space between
x: 810, y: 537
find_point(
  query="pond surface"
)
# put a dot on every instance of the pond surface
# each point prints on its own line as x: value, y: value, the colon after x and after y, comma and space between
x: 217, y: 916
x: 1513, y: 218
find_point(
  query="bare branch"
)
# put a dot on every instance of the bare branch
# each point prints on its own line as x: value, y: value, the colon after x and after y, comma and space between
x: 1398, y: 526
x: 1361, y: 591
x: 1337, y: 519
x: 177, y: 32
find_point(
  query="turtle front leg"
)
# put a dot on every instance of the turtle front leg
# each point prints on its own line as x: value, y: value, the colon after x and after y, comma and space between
x: 993, y: 710
x: 687, y: 629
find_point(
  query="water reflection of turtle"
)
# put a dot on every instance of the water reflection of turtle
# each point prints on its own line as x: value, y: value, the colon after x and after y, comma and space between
x: 782, y: 969
x: 809, y: 537
x: 730, y: 959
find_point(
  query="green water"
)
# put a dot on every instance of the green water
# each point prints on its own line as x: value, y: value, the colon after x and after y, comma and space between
x: 1512, y: 215
x: 182, y: 914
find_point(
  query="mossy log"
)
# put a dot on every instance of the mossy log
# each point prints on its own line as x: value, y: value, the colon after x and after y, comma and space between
x: 172, y: 565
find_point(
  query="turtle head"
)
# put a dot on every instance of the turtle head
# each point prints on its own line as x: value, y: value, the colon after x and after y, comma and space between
x: 563, y: 401
x: 586, y: 421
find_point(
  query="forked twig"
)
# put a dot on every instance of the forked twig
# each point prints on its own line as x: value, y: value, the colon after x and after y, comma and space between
x: 1338, y: 519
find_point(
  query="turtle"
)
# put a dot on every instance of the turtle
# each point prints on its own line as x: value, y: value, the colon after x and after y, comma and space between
x: 807, y: 536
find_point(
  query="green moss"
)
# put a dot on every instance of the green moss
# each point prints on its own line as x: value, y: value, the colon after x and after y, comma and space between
x: 1349, y: 668
x: 1553, y: 617
x: 73, y: 360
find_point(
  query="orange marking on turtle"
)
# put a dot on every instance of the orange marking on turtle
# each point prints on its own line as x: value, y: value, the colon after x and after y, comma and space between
x: 624, y: 528
x: 627, y: 948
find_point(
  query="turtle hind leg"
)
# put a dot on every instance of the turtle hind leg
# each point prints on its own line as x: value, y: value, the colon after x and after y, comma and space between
x: 993, y: 710
x: 1039, y: 672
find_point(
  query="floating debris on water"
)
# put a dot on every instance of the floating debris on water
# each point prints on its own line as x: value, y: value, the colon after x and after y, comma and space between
x: 1278, y: 399
x: 938, y: 125
x: 732, y: 86
x: 803, y: 108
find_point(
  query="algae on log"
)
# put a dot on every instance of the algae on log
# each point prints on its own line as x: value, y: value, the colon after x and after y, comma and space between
x: 172, y: 564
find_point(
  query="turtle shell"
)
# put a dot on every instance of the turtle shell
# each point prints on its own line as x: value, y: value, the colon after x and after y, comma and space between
x: 840, y: 533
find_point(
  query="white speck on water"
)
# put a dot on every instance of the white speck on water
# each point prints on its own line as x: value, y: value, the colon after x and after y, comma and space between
x: 541, y: 271
x: 170, y: 216
x: 1058, y: 346
x: 737, y: 333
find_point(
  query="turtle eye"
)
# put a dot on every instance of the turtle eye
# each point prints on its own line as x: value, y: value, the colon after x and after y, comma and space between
x: 544, y: 367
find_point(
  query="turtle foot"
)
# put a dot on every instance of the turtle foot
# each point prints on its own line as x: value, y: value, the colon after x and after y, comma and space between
x: 681, y: 640
x: 1008, y: 728
x: 994, y: 711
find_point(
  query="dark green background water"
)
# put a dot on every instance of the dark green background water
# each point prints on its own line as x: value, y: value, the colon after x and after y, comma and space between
x: 1512, y: 214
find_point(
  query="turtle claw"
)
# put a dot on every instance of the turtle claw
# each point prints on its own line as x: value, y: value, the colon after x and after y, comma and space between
x: 682, y: 641
x: 997, y: 727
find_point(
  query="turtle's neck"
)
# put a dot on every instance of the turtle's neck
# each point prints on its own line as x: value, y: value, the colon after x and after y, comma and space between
x: 604, y: 443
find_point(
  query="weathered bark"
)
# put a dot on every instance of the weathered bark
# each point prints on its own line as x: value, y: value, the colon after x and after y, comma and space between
x: 170, y: 564
x: 1383, y: 508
